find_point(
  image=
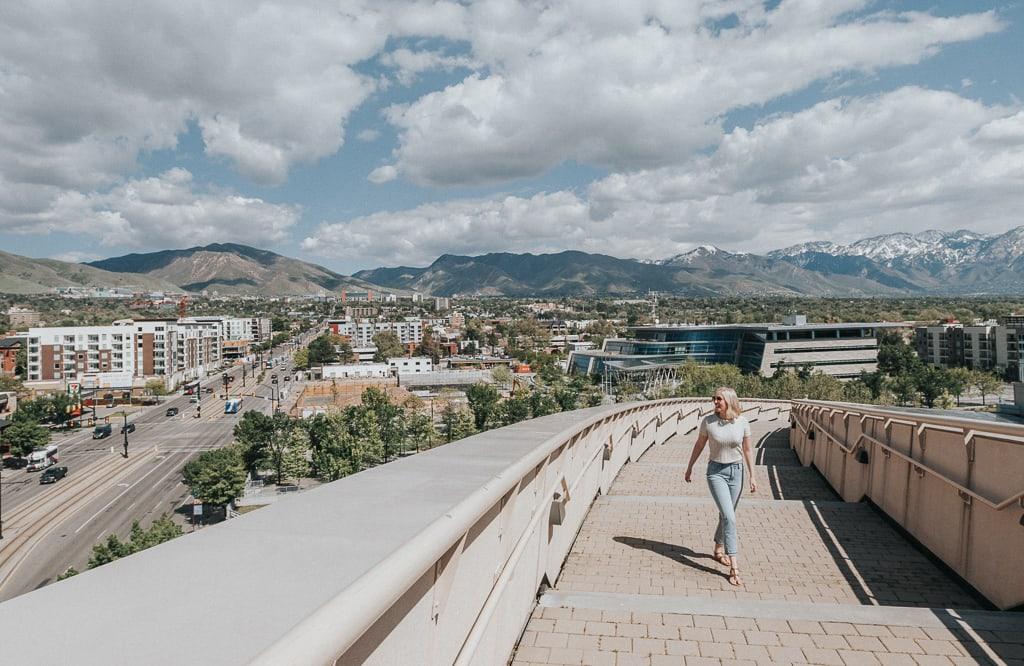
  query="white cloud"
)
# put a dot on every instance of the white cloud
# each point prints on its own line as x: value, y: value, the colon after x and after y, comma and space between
x: 383, y: 174
x: 844, y: 169
x: 637, y: 85
x: 368, y: 135
x: 164, y: 211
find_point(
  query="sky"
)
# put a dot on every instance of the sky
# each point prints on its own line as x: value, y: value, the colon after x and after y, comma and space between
x: 381, y: 133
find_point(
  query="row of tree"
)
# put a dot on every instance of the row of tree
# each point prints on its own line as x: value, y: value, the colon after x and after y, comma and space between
x: 114, y: 548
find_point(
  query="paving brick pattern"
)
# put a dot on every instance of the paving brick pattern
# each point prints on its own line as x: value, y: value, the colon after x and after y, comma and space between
x: 652, y: 537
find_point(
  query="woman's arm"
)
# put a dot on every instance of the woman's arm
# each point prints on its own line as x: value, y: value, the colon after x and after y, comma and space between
x: 698, y: 448
x: 748, y: 455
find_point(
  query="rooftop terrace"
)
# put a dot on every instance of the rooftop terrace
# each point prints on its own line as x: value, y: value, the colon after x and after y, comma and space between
x: 572, y: 539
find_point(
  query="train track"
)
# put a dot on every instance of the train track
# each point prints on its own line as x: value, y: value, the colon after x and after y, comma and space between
x: 31, y: 523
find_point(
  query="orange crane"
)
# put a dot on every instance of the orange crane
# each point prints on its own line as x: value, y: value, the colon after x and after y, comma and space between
x: 182, y: 307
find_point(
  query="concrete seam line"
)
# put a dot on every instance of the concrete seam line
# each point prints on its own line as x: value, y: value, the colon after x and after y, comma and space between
x: 385, y: 583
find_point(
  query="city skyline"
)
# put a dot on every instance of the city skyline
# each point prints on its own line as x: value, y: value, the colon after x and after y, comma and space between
x: 388, y: 134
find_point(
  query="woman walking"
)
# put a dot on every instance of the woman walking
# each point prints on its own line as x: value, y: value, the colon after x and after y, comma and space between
x: 729, y: 434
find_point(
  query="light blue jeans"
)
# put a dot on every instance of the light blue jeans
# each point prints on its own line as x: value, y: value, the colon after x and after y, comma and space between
x: 726, y: 484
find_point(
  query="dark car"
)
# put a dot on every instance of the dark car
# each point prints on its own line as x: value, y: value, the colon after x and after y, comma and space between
x: 53, y: 474
x: 101, y: 431
x: 172, y: 411
x: 15, y: 463
x: 208, y: 389
x: 128, y: 428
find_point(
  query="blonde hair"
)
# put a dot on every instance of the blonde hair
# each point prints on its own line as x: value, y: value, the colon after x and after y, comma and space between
x: 732, y: 402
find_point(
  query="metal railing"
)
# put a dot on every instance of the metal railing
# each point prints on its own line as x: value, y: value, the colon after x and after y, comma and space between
x: 956, y: 484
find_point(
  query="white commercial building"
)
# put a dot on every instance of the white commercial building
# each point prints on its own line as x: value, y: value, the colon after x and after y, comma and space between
x: 357, y: 371
x: 414, y: 365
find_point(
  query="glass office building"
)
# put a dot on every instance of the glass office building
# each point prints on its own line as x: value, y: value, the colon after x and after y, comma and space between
x: 841, y: 350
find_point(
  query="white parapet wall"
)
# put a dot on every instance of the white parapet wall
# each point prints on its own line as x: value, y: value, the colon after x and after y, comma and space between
x: 432, y: 559
x: 953, y: 481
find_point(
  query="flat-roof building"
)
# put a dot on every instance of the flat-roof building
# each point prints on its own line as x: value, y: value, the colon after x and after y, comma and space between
x: 840, y: 350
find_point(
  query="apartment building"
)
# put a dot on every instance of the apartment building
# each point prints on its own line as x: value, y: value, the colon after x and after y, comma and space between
x: 237, y: 334
x: 361, y: 331
x: 957, y: 345
x: 128, y: 352
x: 105, y: 354
x: 21, y: 318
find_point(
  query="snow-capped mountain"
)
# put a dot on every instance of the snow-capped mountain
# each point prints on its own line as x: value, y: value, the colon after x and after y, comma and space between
x: 933, y: 245
x: 932, y: 261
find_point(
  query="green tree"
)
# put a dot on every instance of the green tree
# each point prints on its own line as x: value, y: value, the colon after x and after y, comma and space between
x: 321, y: 351
x: 156, y: 387
x: 513, y: 410
x: 429, y: 346
x: 483, y: 401
x: 11, y: 383
x: 904, y: 388
x: 163, y: 529
x: 856, y: 391
x: 216, y: 477
x: 876, y: 382
x: 820, y: 386
x: 257, y: 432
x: 344, y: 350
x: 986, y: 383
x: 456, y: 423
x: 896, y: 357
x: 932, y: 382
x: 20, y: 363
x: 301, y: 358
x: 959, y: 379
x: 295, y: 461
x: 388, y: 346
x: 22, y: 436
x: 420, y: 431
x: 542, y: 404
x: 332, y: 446
x: 68, y: 573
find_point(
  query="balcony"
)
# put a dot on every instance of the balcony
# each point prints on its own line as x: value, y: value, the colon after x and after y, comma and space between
x: 574, y: 539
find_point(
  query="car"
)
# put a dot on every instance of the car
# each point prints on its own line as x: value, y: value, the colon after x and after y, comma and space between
x: 53, y: 474
x: 171, y: 411
x: 101, y: 431
x: 273, y: 376
x: 128, y: 427
x: 287, y: 378
x: 208, y: 390
x: 14, y: 462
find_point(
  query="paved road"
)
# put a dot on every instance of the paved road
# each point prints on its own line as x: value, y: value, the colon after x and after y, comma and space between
x: 48, y: 528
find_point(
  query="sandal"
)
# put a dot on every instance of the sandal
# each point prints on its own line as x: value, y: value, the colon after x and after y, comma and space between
x: 720, y: 557
x: 734, y: 577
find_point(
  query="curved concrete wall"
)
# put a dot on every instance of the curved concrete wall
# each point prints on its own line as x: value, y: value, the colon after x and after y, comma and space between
x: 956, y: 484
x: 432, y: 559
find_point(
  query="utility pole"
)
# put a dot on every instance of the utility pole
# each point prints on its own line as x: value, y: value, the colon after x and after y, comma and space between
x: 125, y: 431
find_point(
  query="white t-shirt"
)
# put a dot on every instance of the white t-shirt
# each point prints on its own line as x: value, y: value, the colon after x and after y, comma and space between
x: 725, y: 437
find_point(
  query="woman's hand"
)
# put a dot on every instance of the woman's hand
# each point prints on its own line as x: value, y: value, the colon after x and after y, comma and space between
x: 688, y: 477
x: 753, y: 486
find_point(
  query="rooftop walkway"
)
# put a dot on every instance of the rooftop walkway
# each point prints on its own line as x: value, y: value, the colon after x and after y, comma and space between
x: 826, y: 581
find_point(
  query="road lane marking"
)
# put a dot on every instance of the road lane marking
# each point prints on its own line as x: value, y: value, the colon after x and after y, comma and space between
x: 121, y: 494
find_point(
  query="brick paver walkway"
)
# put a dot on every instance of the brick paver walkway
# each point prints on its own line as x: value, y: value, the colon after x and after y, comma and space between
x: 826, y: 582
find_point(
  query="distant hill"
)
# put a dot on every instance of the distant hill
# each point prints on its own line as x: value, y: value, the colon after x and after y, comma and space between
x: 24, y: 275
x: 507, y: 274
x: 229, y: 268
x: 932, y: 262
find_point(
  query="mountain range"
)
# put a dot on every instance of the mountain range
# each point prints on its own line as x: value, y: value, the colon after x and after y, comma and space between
x: 932, y: 262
